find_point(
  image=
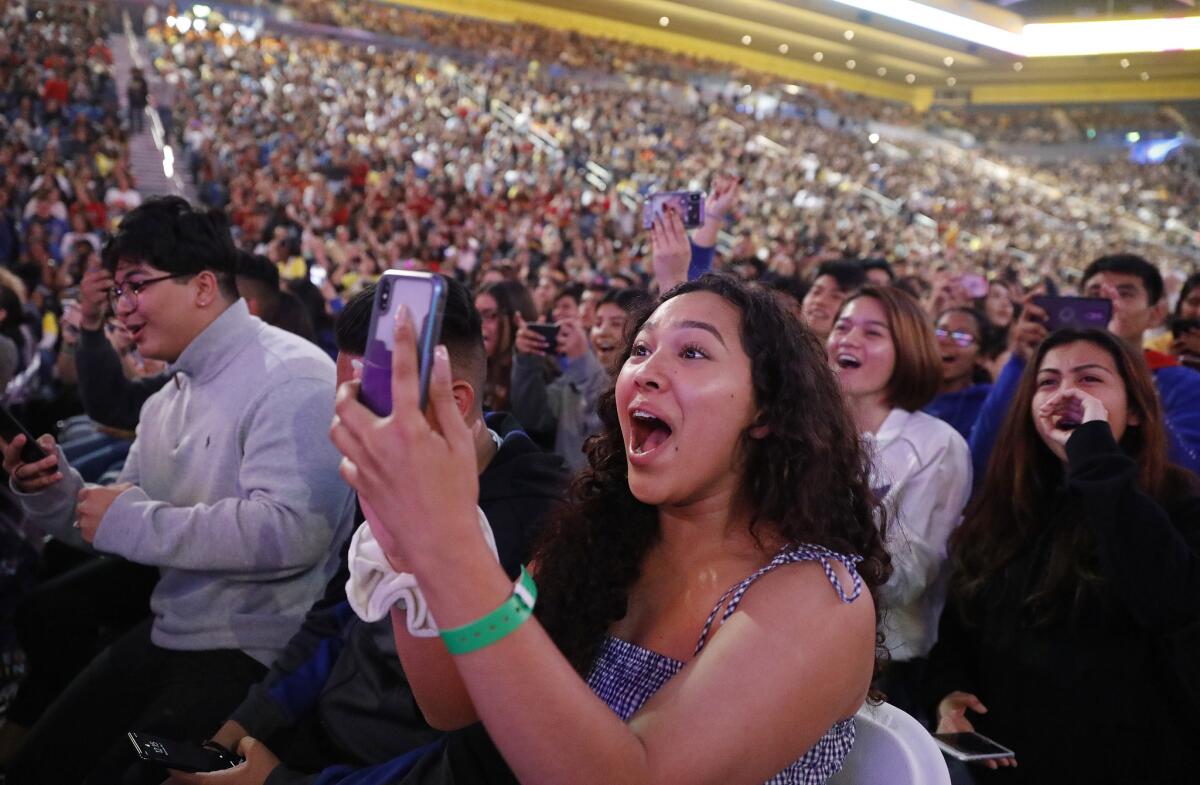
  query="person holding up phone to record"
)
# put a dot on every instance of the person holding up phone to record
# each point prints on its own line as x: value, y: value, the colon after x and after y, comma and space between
x: 1075, y: 581
x: 1134, y: 287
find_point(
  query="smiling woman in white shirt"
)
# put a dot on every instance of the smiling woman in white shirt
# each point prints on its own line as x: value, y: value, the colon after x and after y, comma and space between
x: 884, y: 353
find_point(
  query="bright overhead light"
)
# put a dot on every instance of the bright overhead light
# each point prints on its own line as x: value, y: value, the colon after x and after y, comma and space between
x: 200, y: 25
x: 1124, y: 62
x: 201, y: 11
x: 1018, y: 66
x: 948, y: 61
x: 1046, y: 39
x: 818, y: 56
x: 746, y: 40
x: 881, y: 71
x: 848, y: 35
x: 1097, y: 38
x: 783, y: 49
x: 873, y: 138
x: 663, y: 21
x: 851, y: 64
x: 951, y: 81
x: 1145, y: 76
x: 910, y: 78
x: 793, y: 89
x: 1133, y: 136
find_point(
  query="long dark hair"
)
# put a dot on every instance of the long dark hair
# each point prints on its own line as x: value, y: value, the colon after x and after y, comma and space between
x: 512, y: 298
x: 807, y: 479
x: 1023, y: 476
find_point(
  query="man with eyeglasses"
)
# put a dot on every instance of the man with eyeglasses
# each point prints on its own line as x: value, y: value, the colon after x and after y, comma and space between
x: 231, y: 489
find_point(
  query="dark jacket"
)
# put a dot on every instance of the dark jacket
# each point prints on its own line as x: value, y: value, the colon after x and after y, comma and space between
x: 1100, y: 695
x: 345, y: 672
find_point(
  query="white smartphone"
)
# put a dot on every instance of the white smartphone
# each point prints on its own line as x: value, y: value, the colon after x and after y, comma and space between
x: 971, y: 747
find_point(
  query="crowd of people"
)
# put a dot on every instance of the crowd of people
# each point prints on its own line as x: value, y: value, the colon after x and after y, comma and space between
x: 829, y: 438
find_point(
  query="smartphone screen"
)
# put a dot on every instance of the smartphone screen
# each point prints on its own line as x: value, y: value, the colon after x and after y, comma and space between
x: 688, y: 204
x: 11, y: 427
x: 180, y: 755
x: 1075, y: 311
x: 971, y: 746
x: 424, y: 294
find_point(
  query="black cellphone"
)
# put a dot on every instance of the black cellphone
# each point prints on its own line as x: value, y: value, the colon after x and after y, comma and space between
x: 11, y: 427
x: 1180, y: 327
x: 1075, y: 311
x: 181, y: 755
x: 547, y: 331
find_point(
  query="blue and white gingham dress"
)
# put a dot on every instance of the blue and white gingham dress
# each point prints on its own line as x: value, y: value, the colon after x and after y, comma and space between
x: 625, y: 675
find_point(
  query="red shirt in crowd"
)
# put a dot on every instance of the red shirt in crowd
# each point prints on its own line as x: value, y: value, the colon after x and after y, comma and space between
x: 56, y: 89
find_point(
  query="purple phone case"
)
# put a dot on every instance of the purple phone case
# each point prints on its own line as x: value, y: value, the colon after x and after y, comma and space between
x: 425, y: 295
x: 1075, y: 311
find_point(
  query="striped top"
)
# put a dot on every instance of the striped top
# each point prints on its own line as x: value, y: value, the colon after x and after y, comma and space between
x: 625, y: 675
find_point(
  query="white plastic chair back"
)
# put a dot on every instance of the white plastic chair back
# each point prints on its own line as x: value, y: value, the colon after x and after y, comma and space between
x: 891, y: 749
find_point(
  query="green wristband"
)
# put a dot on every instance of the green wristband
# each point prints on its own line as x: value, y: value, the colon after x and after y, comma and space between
x: 497, y: 624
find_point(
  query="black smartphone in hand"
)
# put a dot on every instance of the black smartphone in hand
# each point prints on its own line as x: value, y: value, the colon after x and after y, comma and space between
x: 181, y: 755
x: 11, y: 427
x: 549, y: 333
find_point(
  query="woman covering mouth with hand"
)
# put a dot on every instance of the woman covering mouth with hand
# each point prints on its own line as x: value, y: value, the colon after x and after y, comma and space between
x: 1070, y: 634
x: 706, y: 591
x: 883, y: 352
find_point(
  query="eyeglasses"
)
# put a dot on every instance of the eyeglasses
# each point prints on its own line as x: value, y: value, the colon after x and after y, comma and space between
x: 962, y: 339
x: 128, y: 294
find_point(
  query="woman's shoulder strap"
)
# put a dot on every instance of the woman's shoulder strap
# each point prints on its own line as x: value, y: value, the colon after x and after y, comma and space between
x: 790, y: 554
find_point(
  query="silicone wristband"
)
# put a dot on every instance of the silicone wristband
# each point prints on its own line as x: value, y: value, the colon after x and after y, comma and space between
x: 497, y: 624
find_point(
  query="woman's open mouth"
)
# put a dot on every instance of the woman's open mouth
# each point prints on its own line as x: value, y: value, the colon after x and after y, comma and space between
x: 848, y: 361
x: 647, y: 432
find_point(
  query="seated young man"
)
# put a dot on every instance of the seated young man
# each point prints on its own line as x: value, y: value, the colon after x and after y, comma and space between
x: 338, y: 695
x: 231, y: 489
x: 1135, y: 287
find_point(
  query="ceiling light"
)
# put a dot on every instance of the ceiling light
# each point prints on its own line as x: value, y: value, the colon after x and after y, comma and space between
x: 952, y: 81
x: 818, y: 56
x: 948, y: 60
x: 851, y: 64
x: 746, y: 40
x: 873, y: 138
x: 1124, y: 62
x: 1145, y: 76
x: 881, y: 71
x: 663, y: 21
x: 783, y: 49
x: 848, y: 35
x: 1018, y: 66
x: 910, y: 78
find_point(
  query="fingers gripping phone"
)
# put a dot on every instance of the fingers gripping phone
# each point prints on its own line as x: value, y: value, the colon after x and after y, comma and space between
x: 11, y: 427
x: 549, y: 333
x: 689, y: 205
x: 971, y: 747
x: 424, y: 294
x: 181, y: 755
x: 1075, y: 311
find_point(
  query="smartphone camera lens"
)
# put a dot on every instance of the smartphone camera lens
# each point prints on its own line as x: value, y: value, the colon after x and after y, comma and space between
x: 695, y: 197
x: 383, y: 294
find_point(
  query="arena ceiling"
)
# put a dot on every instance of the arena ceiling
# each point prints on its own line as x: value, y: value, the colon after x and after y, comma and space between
x: 836, y: 41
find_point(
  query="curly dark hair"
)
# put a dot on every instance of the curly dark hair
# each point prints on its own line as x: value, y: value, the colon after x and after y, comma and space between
x: 807, y: 480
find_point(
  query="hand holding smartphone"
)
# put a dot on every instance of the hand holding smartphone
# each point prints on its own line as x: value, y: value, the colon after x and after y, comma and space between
x: 688, y: 205
x: 11, y: 428
x: 182, y: 755
x: 971, y: 747
x: 424, y: 297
